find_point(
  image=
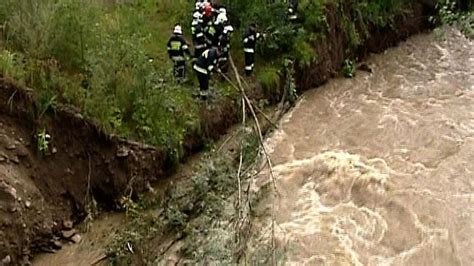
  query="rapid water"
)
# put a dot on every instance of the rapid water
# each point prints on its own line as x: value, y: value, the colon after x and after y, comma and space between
x: 379, y: 169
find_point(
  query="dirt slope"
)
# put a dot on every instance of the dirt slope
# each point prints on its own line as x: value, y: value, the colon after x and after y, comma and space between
x: 38, y: 192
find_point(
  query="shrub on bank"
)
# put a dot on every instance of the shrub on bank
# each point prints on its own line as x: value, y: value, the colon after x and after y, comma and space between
x: 109, y: 59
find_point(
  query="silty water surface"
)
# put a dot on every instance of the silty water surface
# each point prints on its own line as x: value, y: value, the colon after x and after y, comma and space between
x: 379, y: 169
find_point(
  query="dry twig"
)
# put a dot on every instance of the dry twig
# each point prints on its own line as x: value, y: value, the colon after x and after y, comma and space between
x: 246, y: 102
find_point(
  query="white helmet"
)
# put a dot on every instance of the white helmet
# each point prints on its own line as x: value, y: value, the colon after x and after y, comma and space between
x: 222, y: 10
x: 197, y: 15
x: 177, y: 29
x: 228, y: 29
x: 221, y: 18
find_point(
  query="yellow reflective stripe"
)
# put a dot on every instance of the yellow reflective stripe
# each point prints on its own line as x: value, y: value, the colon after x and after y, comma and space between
x: 249, y: 50
x: 178, y: 58
x: 175, y: 45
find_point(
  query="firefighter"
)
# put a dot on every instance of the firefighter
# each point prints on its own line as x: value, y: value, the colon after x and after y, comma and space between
x: 203, y: 67
x: 199, y: 40
x: 214, y: 31
x: 250, y: 39
x: 224, y: 46
x: 208, y: 14
x: 292, y: 10
x: 177, y: 49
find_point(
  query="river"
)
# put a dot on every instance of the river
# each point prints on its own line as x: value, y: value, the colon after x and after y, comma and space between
x: 379, y: 169
x: 374, y: 170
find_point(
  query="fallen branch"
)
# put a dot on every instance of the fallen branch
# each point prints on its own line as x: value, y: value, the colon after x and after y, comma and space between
x: 246, y: 102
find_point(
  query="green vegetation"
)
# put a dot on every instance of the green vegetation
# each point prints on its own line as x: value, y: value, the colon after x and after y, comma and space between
x: 110, y: 61
x: 450, y: 15
x: 194, y: 211
x: 43, y: 141
x: 348, y: 68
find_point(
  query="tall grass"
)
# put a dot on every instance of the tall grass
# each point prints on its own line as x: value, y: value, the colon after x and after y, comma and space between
x: 108, y: 57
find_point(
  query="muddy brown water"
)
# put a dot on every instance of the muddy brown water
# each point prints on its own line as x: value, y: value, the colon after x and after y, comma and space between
x: 379, y: 169
x: 375, y: 170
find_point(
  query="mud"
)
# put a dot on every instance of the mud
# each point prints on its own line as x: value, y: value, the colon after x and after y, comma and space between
x: 377, y: 170
x: 336, y: 47
x: 83, y: 168
x: 90, y: 168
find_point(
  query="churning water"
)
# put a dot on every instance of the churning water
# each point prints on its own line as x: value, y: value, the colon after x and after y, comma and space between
x: 379, y: 169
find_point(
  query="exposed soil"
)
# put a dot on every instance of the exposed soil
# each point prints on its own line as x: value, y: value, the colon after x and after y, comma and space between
x: 85, y: 166
x: 334, y: 50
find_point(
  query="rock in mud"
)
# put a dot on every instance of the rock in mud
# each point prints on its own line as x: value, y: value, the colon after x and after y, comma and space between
x: 27, y: 204
x: 68, y: 234
x: 15, y: 159
x: 68, y: 224
x: 22, y: 152
x: 76, y: 238
x: 7, y: 260
x: 122, y: 153
x: 10, y: 147
x: 56, y: 244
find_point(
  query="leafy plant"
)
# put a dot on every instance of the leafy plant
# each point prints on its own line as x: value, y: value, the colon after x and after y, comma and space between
x: 348, y: 68
x: 42, y: 141
x: 290, y: 86
x: 47, y: 102
x: 449, y: 14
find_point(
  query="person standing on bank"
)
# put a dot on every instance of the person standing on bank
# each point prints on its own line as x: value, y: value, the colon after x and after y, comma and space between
x: 197, y: 31
x: 177, y: 49
x: 224, y: 46
x: 250, y: 40
x: 293, y: 10
x: 204, y: 66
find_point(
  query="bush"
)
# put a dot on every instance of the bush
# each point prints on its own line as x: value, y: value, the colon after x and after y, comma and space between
x: 10, y: 65
x: 269, y: 79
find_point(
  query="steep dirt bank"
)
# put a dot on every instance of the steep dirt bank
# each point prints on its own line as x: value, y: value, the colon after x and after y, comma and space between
x: 337, y: 45
x: 39, y: 192
x: 84, y: 168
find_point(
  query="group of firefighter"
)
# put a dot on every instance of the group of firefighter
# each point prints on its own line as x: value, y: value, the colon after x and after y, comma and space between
x: 211, y: 34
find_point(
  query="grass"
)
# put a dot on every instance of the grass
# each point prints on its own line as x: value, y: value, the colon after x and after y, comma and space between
x: 190, y: 210
x: 110, y: 61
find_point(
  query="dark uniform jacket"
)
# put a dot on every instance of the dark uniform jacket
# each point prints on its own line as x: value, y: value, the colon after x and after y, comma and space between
x: 224, y: 45
x: 199, y: 39
x: 213, y: 33
x: 207, y: 61
x: 177, y: 47
x: 250, y: 40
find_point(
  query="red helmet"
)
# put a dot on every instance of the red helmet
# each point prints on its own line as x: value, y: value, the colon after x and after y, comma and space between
x: 207, y: 9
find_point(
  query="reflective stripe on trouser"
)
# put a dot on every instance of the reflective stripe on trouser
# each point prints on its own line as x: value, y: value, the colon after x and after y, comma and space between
x: 179, y: 69
x: 249, y: 63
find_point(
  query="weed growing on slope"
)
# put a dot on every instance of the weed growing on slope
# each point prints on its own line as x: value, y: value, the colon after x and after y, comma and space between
x: 450, y: 15
x: 192, y: 210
